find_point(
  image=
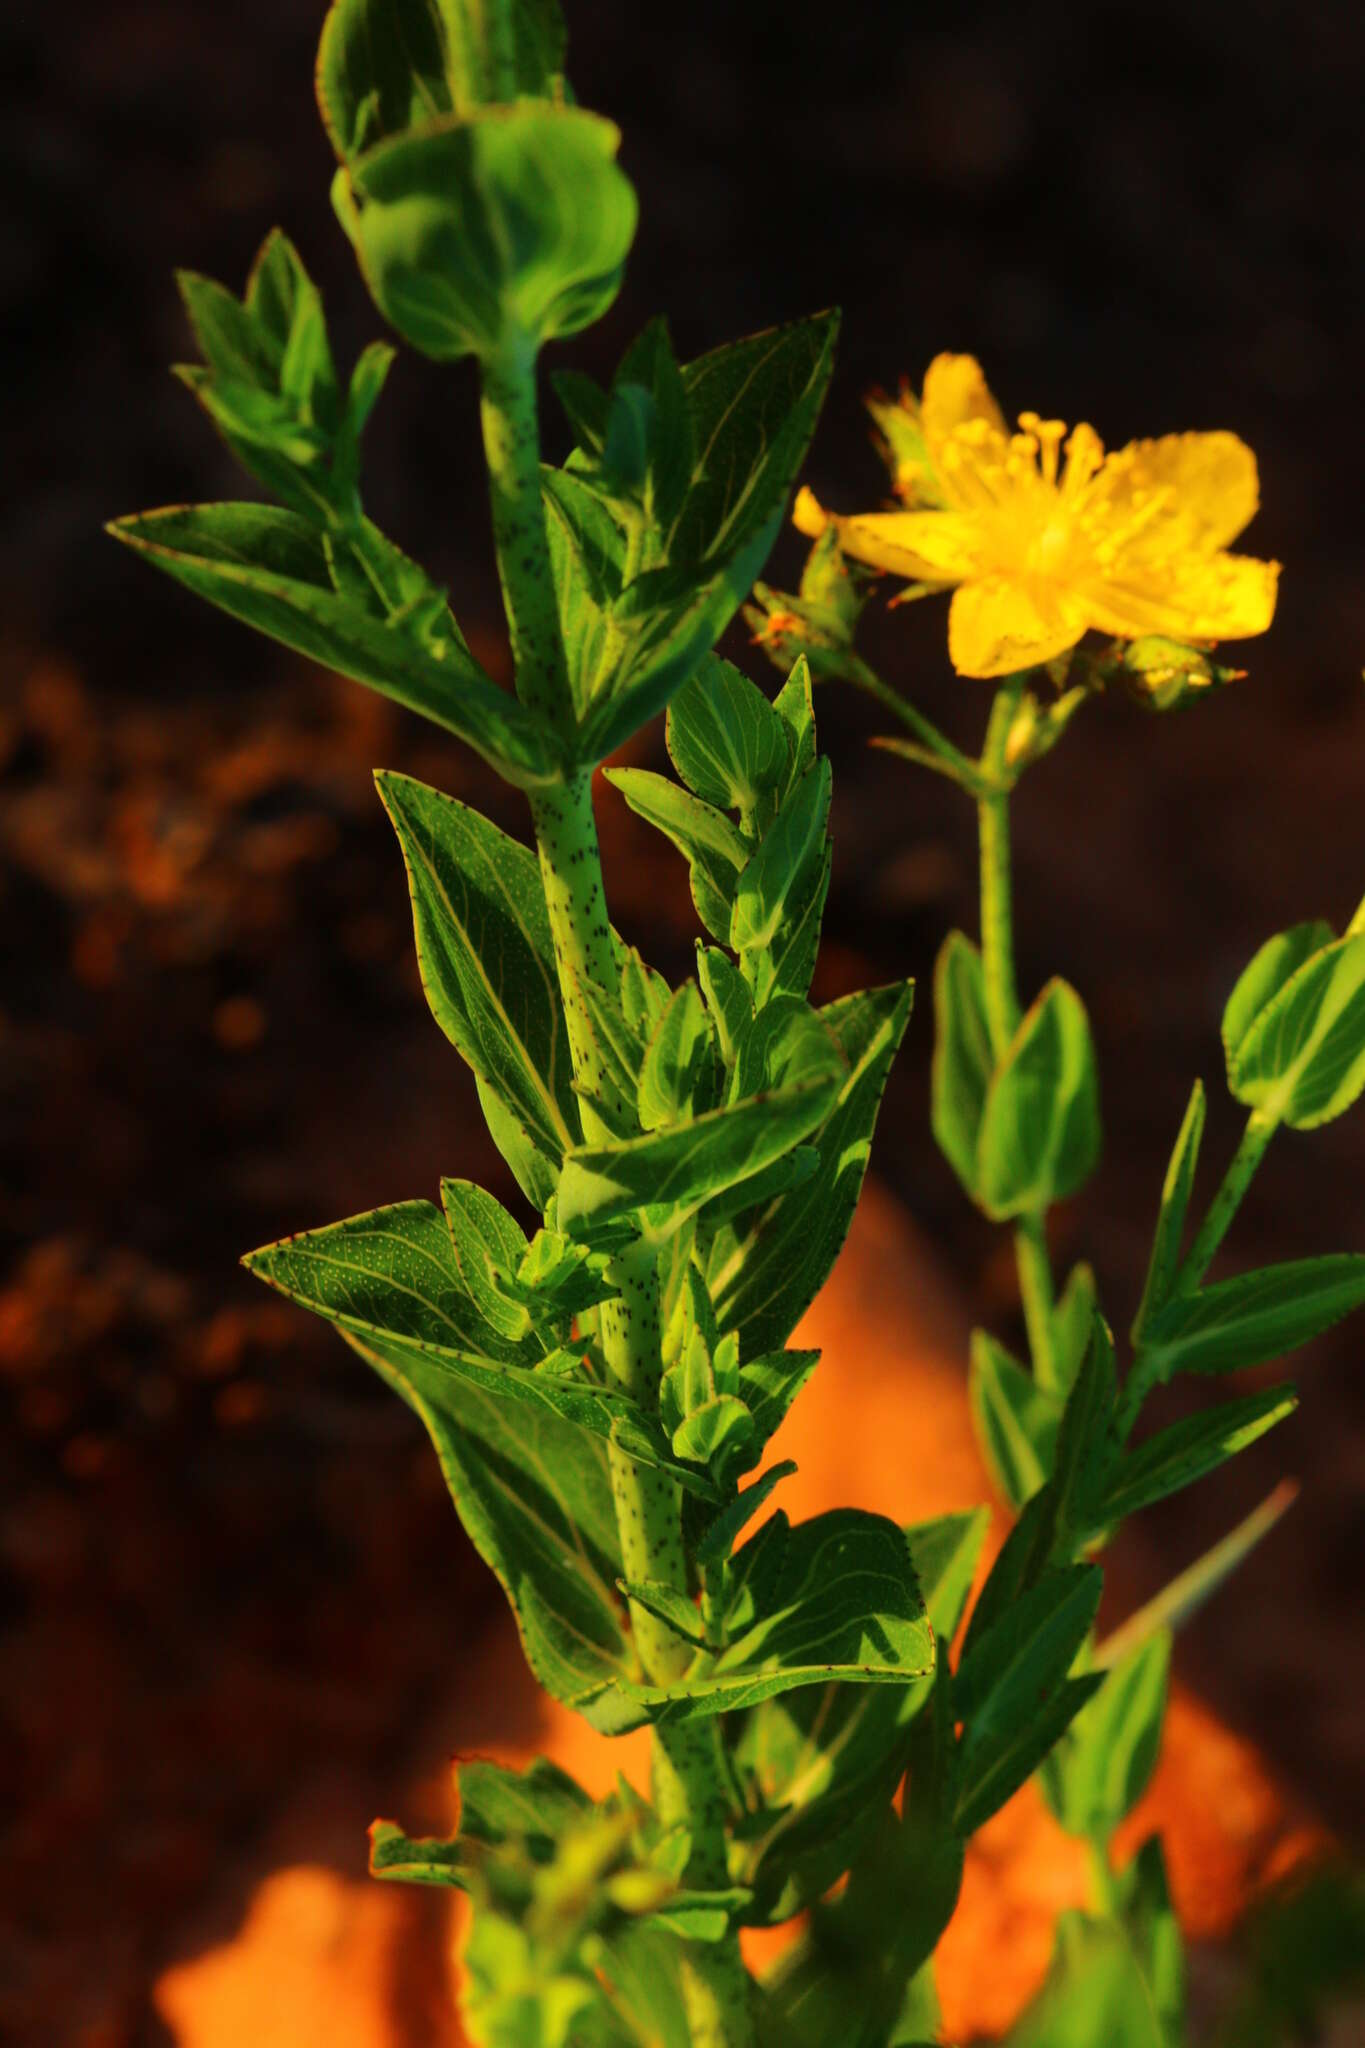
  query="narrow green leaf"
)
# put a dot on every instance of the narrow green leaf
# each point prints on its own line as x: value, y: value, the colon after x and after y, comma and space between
x: 946, y: 1551
x: 766, y: 1268
x: 671, y: 1171
x: 1102, y: 1765
x: 1095, y: 1993
x: 487, y: 962
x: 727, y: 998
x: 667, y: 1605
x: 720, y: 1535
x: 994, y: 1768
x: 1179, y: 1455
x: 679, y: 1075
x: 962, y: 1064
x: 486, y: 1240
x: 1040, y: 1127
x: 1073, y: 1322
x: 1016, y: 1420
x: 1175, y: 1202
x: 784, y: 867
x: 1028, y: 1652
x: 705, y: 837
x: 269, y: 569
x: 1255, y: 1316
x: 534, y: 1494
x: 771, y: 1383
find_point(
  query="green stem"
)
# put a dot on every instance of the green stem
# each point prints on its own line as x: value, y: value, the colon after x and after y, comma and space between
x: 1002, y: 1008
x: 866, y: 678
x: 511, y: 440
x: 1035, y: 1289
x: 689, y: 1776
x: 1102, y: 1879
x: 690, y: 1765
x: 997, y: 916
x: 1260, y: 1129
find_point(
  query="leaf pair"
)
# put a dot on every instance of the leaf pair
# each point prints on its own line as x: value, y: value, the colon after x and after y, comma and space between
x: 666, y: 512
x: 1023, y: 1132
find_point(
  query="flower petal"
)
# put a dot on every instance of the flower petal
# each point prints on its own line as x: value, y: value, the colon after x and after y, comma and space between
x: 1001, y: 624
x: 1213, y: 597
x: 955, y: 391
x: 930, y: 547
x: 1209, y: 482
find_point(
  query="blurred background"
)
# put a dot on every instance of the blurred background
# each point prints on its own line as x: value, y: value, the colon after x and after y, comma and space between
x: 235, y: 1598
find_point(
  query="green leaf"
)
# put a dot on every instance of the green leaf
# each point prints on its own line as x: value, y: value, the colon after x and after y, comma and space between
x: 962, y: 1064
x: 719, y: 1433
x: 727, y: 998
x: 751, y: 410
x: 719, y: 1536
x: 391, y: 1281
x: 502, y: 228
x: 1179, y: 1455
x: 784, y: 869
x: 844, y: 1604
x: 1009, y: 1668
x: 1095, y: 1993
x: 1175, y: 1202
x: 848, y: 1979
x: 488, y: 1241
x: 671, y: 1171
x: 1151, y: 1925
x: 392, y: 1271
x: 705, y: 837
x: 1073, y: 1323
x: 269, y: 569
x: 994, y: 1767
x: 1254, y: 1316
x: 531, y: 1808
x: 1303, y: 1057
x: 725, y: 740
x: 946, y: 1551
x: 770, y: 1385
x: 487, y: 961
x: 766, y: 1268
x: 667, y: 1605
x: 1277, y: 962
x: 534, y: 1494
x: 1102, y: 1766
x: 1016, y: 1420
x: 383, y: 67
x: 1040, y: 1126
x: 679, y: 1076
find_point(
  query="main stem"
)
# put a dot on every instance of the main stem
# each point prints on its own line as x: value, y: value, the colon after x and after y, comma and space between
x: 1002, y: 1008
x: 689, y: 1775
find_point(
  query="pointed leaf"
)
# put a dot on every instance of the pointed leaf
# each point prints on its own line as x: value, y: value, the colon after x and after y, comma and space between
x: 1101, y: 1767
x: 1040, y: 1127
x: 269, y: 569
x: 1016, y: 1420
x: 962, y: 1064
x: 1179, y: 1455
x: 725, y: 739
x: 1277, y: 962
x: 705, y: 837
x: 484, y: 948
x: 1175, y: 1202
x: 671, y: 1171
x: 766, y: 1268
x: 1254, y: 1316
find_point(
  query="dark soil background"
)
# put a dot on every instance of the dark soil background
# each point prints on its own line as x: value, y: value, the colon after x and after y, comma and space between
x: 233, y: 1587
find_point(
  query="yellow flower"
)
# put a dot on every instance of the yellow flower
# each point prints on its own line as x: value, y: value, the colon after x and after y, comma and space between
x: 1036, y: 548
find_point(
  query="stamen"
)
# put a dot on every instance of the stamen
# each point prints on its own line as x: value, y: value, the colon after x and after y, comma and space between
x: 1049, y: 435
